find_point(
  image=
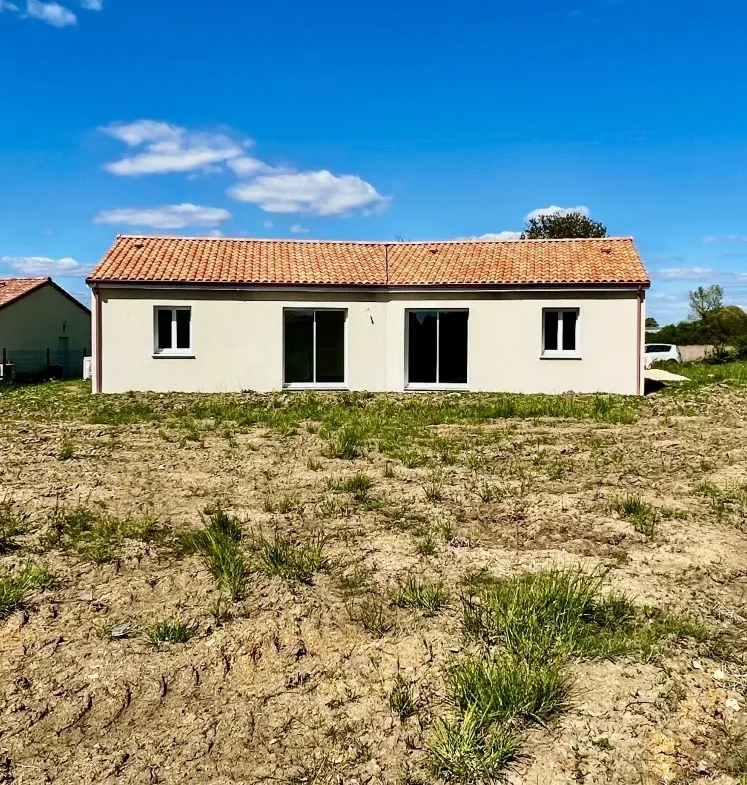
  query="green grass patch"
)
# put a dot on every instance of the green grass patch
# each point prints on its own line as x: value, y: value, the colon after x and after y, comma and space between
x: 427, y: 596
x: 527, y: 629
x: 15, y: 588
x: 397, y: 425
x: 96, y: 535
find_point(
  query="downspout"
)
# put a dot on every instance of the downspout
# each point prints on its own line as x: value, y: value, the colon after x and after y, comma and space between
x: 639, y: 345
x: 97, y: 306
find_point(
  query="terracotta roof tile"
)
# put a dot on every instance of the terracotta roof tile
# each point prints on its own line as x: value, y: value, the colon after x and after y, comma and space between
x: 12, y: 289
x: 332, y: 263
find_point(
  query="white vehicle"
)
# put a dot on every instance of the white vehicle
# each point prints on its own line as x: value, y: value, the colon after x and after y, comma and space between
x: 660, y: 352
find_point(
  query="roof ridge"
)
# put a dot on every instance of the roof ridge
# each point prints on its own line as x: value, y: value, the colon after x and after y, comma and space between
x: 312, y: 241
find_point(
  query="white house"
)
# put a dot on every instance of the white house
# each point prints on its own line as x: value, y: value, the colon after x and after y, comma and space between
x: 214, y: 314
x: 41, y: 325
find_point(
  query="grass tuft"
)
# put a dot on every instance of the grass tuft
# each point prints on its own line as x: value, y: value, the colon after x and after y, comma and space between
x: 219, y: 544
x: 345, y: 443
x: 428, y: 596
x: 67, y: 450
x: 467, y: 751
x: 641, y: 514
x: 403, y: 699
x: 359, y: 485
x: 171, y: 630
x: 14, y: 589
x: 15, y: 520
x: 503, y: 688
x: 284, y: 558
x: 373, y: 614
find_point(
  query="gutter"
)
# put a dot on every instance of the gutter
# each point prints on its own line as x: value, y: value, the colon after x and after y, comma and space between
x: 97, y: 382
x: 639, y: 345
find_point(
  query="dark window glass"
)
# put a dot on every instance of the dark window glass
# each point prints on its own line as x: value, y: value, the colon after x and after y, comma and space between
x: 569, y: 330
x: 164, y: 328
x: 299, y: 346
x: 452, y: 347
x: 422, y: 347
x: 658, y: 347
x: 551, y: 331
x: 330, y: 347
x: 182, y: 329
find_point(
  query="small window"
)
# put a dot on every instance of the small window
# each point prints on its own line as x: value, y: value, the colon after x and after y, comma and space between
x: 560, y: 332
x: 314, y: 347
x: 173, y: 328
x: 437, y: 347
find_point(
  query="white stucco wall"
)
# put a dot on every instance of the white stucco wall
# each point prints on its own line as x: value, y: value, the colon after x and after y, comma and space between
x: 38, y: 320
x: 237, y: 339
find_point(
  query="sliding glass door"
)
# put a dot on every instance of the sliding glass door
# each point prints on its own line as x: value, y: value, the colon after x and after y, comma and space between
x: 314, y: 347
x: 437, y: 347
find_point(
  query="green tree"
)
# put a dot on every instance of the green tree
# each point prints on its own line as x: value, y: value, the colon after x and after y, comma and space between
x: 704, y: 300
x: 558, y: 227
x: 651, y: 323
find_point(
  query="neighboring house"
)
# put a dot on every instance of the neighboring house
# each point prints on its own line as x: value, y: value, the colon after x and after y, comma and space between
x: 41, y: 325
x: 203, y: 314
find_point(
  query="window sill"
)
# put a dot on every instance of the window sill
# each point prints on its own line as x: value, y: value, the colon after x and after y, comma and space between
x: 416, y: 387
x: 560, y: 356
x: 303, y: 386
x: 172, y: 355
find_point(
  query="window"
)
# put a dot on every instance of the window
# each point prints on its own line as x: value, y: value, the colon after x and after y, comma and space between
x: 560, y: 332
x: 173, y: 331
x: 314, y: 346
x: 436, y: 347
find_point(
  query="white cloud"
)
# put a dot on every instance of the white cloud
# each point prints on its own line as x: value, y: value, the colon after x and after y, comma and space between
x: 268, y: 224
x: 169, y: 148
x: 173, y: 216
x: 321, y: 193
x: 504, y: 235
x: 687, y: 273
x: 52, y: 13
x: 298, y: 229
x: 6, y: 5
x: 159, y: 147
x: 247, y: 166
x: 92, y: 5
x: 732, y: 238
x: 43, y: 265
x: 553, y: 209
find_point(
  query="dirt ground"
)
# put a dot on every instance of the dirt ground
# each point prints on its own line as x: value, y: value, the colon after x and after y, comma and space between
x: 292, y: 688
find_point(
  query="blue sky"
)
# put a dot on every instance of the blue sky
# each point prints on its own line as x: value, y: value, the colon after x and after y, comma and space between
x: 371, y: 121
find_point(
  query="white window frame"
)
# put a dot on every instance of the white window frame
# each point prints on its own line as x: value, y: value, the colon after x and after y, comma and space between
x: 425, y: 386
x: 173, y: 351
x: 343, y: 385
x: 560, y: 353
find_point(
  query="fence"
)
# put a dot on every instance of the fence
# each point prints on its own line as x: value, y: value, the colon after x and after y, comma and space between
x: 41, y: 364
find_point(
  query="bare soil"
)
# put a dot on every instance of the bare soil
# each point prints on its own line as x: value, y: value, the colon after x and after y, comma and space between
x: 292, y: 688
